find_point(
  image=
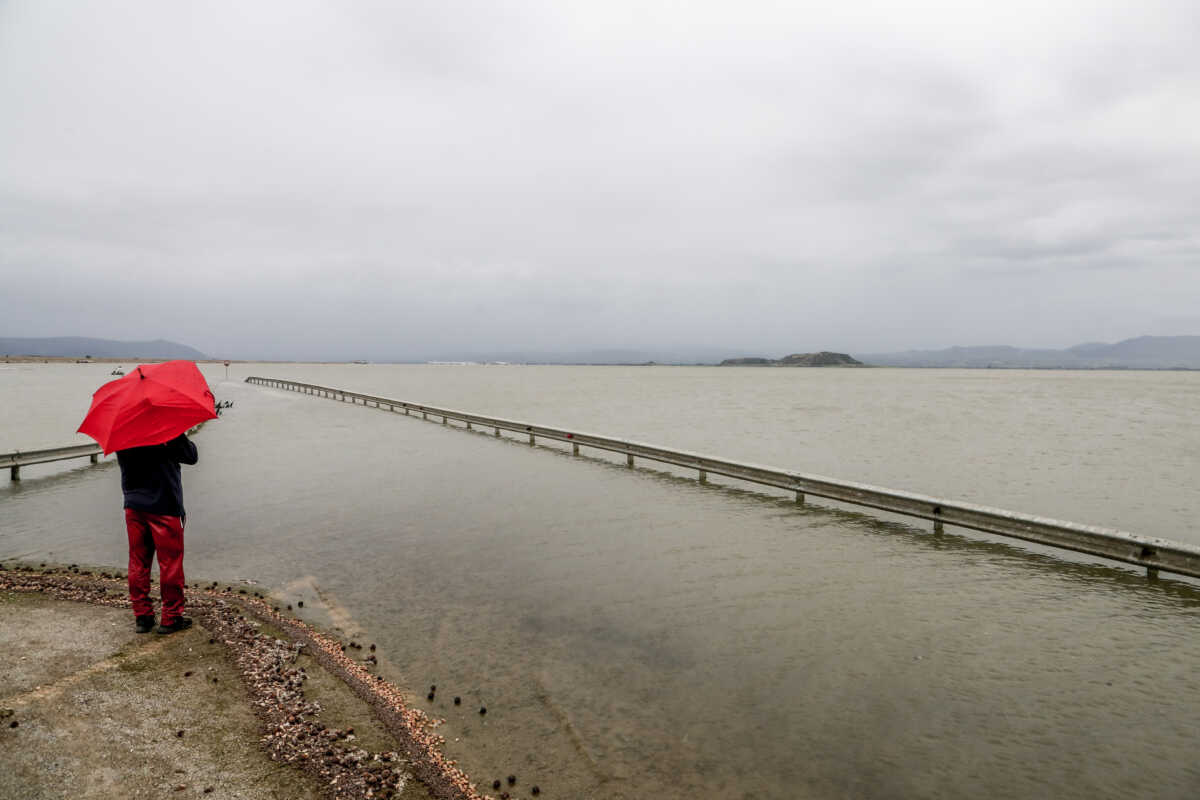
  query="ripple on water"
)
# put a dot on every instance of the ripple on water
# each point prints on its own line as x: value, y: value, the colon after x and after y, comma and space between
x: 640, y: 635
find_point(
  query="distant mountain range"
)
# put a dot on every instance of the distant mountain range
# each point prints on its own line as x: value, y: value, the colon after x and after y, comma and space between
x: 81, y: 347
x: 1144, y: 352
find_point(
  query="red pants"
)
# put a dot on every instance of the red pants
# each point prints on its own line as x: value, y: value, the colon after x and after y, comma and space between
x: 147, y: 533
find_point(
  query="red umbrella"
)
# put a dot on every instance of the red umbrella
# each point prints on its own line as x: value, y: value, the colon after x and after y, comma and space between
x: 151, y: 405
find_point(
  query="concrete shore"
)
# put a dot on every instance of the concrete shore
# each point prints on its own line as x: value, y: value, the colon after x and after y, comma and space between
x: 246, y: 704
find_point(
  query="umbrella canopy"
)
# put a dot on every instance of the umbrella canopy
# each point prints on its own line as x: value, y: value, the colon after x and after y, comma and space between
x: 151, y: 405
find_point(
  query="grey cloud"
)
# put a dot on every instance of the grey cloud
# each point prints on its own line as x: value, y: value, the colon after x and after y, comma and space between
x: 598, y: 174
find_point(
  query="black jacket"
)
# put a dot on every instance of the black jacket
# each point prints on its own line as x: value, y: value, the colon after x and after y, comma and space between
x: 150, y: 476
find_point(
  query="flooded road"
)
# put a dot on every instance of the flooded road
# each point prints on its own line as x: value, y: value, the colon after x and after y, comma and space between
x: 635, y: 634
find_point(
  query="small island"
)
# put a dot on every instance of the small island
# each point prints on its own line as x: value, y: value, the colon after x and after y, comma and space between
x: 821, y: 359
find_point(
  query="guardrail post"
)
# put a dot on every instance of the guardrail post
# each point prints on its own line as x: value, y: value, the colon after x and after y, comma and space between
x: 469, y: 425
x: 1152, y: 555
x: 95, y: 457
x: 15, y: 473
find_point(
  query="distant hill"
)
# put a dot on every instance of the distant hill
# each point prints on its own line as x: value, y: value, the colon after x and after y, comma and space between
x: 79, y: 346
x: 821, y: 359
x: 1144, y: 352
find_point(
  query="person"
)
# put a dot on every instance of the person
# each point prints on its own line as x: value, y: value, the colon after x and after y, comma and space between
x: 154, y: 519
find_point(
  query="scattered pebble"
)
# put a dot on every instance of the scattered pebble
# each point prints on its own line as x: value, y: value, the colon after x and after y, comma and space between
x: 274, y: 684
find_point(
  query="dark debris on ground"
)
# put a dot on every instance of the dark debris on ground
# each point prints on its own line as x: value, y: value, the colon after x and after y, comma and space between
x: 293, y: 734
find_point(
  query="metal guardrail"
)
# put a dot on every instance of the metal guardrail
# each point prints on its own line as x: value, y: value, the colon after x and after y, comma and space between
x: 1144, y: 551
x: 20, y: 458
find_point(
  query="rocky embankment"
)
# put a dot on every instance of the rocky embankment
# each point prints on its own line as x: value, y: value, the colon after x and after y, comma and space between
x: 821, y: 359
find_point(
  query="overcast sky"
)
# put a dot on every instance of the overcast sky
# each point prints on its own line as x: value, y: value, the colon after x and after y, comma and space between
x: 381, y: 180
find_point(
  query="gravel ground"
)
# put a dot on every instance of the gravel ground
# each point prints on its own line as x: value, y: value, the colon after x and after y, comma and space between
x: 103, y: 712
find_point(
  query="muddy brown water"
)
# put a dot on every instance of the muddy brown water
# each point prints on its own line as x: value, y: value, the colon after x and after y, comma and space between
x: 635, y: 634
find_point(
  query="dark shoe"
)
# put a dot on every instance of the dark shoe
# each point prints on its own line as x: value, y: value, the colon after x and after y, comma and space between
x: 181, y: 624
x: 144, y: 623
